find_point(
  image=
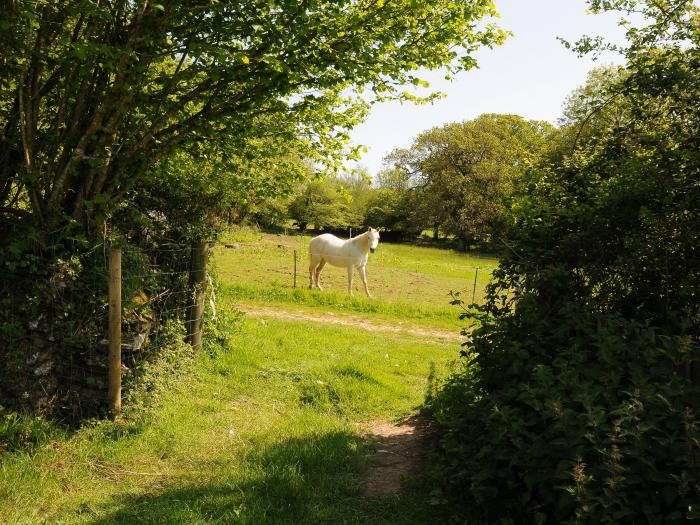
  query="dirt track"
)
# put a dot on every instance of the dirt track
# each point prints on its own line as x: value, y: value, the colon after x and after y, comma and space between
x: 349, y: 320
x: 400, y: 448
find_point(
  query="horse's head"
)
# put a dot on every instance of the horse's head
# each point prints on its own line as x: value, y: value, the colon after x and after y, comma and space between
x: 373, y: 236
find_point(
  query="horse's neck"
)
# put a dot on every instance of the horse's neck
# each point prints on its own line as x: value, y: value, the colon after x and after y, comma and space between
x: 361, y: 241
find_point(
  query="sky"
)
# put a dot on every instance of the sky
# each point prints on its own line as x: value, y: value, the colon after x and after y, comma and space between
x: 530, y: 75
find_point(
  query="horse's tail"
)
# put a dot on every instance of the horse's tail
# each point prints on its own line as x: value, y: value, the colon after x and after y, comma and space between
x: 312, y: 247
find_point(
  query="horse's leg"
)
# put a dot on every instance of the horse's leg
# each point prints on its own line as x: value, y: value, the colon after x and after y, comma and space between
x: 313, y: 262
x: 351, y: 269
x: 318, y: 273
x: 363, y: 276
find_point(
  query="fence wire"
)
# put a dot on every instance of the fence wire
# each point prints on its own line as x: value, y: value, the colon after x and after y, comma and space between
x: 283, y: 262
x: 56, y: 342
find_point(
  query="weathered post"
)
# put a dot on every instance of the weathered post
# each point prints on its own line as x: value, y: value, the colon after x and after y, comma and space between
x: 295, y: 268
x: 114, y: 364
x: 198, y: 286
x: 476, y: 273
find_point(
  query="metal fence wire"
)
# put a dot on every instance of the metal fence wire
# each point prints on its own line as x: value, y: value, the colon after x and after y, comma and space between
x: 56, y: 343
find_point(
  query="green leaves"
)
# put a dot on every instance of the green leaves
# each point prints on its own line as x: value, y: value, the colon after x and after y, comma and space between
x: 590, y: 331
x: 575, y: 421
x: 471, y: 168
x: 148, y: 82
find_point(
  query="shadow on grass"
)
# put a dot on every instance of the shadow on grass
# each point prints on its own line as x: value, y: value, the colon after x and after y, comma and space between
x: 310, y: 480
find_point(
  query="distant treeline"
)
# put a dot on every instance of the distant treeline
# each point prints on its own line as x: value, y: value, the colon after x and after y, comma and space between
x: 456, y: 180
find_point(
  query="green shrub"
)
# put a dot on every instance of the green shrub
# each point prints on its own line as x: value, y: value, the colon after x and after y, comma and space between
x: 168, y: 357
x: 569, y: 416
x: 580, y: 400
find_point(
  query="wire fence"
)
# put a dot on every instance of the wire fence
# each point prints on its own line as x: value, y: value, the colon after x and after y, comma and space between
x: 60, y: 341
x: 57, y: 339
x: 283, y: 262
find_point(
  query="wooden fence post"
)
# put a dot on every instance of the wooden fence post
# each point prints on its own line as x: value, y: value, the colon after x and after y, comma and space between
x: 295, y: 268
x: 476, y: 273
x: 198, y: 286
x: 114, y: 364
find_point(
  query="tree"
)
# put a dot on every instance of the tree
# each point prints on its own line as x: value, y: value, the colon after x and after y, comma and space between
x: 94, y: 94
x: 393, y: 178
x: 594, y: 106
x: 393, y: 205
x: 321, y: 203
x: 470, y: 168
x: 356, y: 186
x: 587, y: 352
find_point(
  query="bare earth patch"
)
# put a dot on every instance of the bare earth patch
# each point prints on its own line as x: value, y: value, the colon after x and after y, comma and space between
x: 399, y: 455
x: 348, y: 320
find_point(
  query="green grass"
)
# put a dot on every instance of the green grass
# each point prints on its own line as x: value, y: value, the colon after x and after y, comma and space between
x: 264, y: 430
x: 320, y: 303
x: 407, y: 282
x: 267, y: 425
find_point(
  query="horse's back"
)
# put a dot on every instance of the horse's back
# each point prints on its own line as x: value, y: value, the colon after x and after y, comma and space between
x: 326, y: 240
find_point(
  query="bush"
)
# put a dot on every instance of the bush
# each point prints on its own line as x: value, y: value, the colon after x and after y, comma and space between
x: 570, y: 416
x: 580, y: 400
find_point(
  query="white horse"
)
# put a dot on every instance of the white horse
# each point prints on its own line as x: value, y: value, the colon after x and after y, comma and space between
x: 350, y: 254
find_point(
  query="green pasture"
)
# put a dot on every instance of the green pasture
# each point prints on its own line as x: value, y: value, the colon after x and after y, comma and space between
x: 266, y: 428
x: 268, y: 425
x: 408, y: 282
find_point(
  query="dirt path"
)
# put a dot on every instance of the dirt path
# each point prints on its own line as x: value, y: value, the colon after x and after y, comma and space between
x: 400, y: 448
x: 348, y: 320
x: 400, y: 454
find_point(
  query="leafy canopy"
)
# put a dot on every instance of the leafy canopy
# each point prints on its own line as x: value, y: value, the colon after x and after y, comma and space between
x: 94, y: 94
x: 471, y: 168
x: 578, y: 399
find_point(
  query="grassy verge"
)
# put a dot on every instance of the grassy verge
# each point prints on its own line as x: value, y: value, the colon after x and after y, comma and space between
x: 267, y: 425
x: 267, y: 428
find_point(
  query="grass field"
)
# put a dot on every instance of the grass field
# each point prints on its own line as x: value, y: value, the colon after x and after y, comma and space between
x: 269, y: 424
x: 406, y: 282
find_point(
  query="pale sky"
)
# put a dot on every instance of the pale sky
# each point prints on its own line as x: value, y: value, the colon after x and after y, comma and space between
x: 530, y: 75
